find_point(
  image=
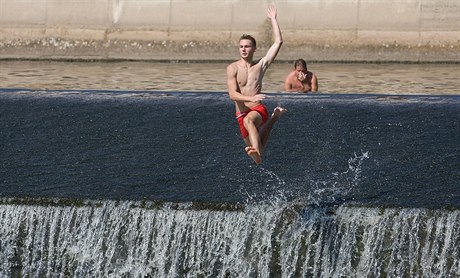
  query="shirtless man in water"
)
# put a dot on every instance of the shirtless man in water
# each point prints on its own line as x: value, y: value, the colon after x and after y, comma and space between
x: 301, y: 79
x: 244, y: 82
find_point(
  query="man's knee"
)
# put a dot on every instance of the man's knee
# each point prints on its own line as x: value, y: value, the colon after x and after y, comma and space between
x: 251, y: 120
x: 248, y: 122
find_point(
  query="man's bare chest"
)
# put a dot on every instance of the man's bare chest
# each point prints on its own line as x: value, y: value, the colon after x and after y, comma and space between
x: 249, y: 75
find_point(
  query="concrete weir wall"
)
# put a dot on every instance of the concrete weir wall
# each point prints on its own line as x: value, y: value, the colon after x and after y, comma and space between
x: 317, y: 30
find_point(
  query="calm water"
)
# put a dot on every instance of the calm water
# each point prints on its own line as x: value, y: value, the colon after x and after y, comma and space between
x: 333, y: 78
x: 368, y: 149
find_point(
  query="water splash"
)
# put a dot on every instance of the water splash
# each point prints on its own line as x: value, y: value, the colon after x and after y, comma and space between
x: 340, y: 184
x: 275, y: 191
x: 337, y: 187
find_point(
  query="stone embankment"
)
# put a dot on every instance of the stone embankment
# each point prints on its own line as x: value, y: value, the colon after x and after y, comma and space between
x: 203, y: 30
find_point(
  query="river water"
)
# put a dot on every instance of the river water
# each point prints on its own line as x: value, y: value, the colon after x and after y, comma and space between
x: 333, y: 77
x: 137, y: 169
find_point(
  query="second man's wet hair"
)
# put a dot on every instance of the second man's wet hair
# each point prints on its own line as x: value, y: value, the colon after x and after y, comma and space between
x: 248, y: 37
x: 300, y: 62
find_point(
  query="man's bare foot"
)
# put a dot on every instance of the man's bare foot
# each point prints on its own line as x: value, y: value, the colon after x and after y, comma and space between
x: 254, y: 154
x: 278, y: 111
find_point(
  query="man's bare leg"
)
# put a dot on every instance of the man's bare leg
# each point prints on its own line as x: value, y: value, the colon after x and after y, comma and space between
x: 267, y: 127
x: 253, y: 141
x: 263, y: 136
x: 252, y: 153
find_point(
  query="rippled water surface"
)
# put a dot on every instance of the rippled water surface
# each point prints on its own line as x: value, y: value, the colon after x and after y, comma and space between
x: 333, y: 78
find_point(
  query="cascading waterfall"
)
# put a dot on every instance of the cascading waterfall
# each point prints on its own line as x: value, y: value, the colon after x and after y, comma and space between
x: 123, y: 184
x: 141, y: 239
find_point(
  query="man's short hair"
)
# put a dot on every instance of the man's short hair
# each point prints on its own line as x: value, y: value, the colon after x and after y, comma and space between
x: 248, y: 37
x: 300, y: 62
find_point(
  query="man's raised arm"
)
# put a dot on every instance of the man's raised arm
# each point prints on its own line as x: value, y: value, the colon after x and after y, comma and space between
x: 273, y: 51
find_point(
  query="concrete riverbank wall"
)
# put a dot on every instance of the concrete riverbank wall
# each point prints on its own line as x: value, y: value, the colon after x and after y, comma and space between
x: 317, y: 30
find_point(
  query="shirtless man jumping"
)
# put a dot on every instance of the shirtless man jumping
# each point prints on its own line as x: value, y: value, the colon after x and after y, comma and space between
x: 244, y: 82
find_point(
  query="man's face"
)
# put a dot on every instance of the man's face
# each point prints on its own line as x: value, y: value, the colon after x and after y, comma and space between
x: 246, y: 49
x: 301, y: 69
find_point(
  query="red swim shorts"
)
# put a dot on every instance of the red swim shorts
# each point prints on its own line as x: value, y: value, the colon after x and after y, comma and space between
x: 261, y: 109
